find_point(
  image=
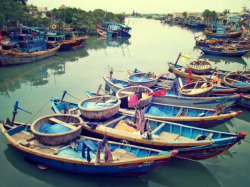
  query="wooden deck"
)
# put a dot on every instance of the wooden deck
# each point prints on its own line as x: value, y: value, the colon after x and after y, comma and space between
x: 166, y: 136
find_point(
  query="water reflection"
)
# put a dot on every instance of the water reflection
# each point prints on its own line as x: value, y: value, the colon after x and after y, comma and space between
x: 226, y: 60
x: 36, y: 74
x: 51, y: 176
x: 165, y: 175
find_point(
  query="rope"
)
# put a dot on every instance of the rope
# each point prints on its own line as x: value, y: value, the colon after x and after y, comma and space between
x: 37, y: 112
x: 209, y: 163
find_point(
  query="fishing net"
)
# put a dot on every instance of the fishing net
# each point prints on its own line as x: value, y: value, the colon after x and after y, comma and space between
x: 95, y: 105
x: 241, y: 84
x: 71, y: 153
x: 47, y: 128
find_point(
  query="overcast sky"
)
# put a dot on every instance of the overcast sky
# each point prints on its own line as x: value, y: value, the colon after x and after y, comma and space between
x: 147, y: 6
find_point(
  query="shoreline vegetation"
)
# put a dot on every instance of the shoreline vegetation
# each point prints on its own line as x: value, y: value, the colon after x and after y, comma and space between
x: 14, y: 12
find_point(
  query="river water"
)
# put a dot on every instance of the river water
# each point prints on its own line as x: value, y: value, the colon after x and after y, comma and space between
x: 151, y: 47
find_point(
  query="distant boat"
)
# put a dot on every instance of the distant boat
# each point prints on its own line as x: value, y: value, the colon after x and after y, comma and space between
x: 114, y: 30
x: 30, y: 47
x: 224, y: 52
x: 67, y: 38
x: 84, y: 154
x: 216, y: 30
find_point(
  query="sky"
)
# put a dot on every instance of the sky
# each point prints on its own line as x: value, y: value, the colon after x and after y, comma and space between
x: 147, y: 6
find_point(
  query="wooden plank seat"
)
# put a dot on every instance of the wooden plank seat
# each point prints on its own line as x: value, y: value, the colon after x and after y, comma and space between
x: 62, y: 123
x: 23, y: 135
x: 173, y: 137
x: 122, y: 155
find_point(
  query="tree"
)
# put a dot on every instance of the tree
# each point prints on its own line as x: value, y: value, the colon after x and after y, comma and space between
x: 184, y: 14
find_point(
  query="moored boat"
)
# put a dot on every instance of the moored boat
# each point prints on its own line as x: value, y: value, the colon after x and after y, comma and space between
x: 30, y: 47
x: 197, y: 89
x: 200, y: 66
x: 167, y: 135
x: 224, y: 52
x: 237, y: 80
x: 85, y: 156
x: 99, y: 107
x: 196, y: 117
x: 144, y: 79
x: 135, y: 96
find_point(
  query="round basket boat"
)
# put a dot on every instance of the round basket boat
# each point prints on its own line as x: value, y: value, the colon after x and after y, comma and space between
x: 236, y: 80
x: 143, y: 79
x: 60, y: 138
x: 142, y: 91
x: 200, y: 66
x: 197, y: 89
x: 99, y: 107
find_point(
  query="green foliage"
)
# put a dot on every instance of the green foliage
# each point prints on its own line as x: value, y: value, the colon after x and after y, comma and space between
x: 210, y: 15
x: 14, y: 12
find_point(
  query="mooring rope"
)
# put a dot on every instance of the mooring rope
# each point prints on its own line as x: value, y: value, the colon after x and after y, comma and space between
x: 209, y: 163
x: 31, y: 119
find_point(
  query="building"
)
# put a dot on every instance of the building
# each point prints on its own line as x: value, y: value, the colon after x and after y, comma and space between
x: 42, y: 9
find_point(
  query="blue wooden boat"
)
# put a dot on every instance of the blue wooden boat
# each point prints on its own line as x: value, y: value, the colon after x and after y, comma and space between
x: 83, y: 155
x: 30, y: 47
x: 223, y: 52
x: 67, y: 38
x: 216, y: 30
x: 191, y: 142
x: 244, y: 102
x: 173, y: 98
x: 202, y: 118
x: 114, y: 30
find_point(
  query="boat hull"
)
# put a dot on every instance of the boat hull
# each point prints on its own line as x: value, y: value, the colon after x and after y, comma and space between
x: 205, y: 102
x: 13, y: 58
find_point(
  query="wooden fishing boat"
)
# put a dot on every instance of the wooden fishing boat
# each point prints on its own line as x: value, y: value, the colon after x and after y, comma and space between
x: 236, y: 80
x: 114, y: 30
x: 182, y: 72
x: 30, y: 46
x: 219, y: 32
x: 145, y: 79
x: 191, y: 142
x: 141, y: 93
x: 205, y: 42
x: 117, y: 84
x: 66, y: 38
x: 196, y: 117
x: 244, y: 101
x: 15, y: 58
x: 197, y: 89
x: 99, y: 107
x: 200, y: 66
x: 224, y: 52
x: 56, y: 129
x: 83, y: 155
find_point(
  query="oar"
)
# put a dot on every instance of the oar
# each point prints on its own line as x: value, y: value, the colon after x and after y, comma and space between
x: 15, y: 111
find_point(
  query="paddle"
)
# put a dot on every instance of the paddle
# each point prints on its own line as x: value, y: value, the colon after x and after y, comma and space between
x: 15, y: 112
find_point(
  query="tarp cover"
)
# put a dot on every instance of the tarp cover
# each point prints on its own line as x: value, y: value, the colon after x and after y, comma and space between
x: 95, y: 105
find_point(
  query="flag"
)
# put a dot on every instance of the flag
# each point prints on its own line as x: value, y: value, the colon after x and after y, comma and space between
x: 133, y: 100
x: 161, y: 92
x: 220, y: 107
x: 219, y: 82
x: 184, y: 58
x: 189, y: 75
